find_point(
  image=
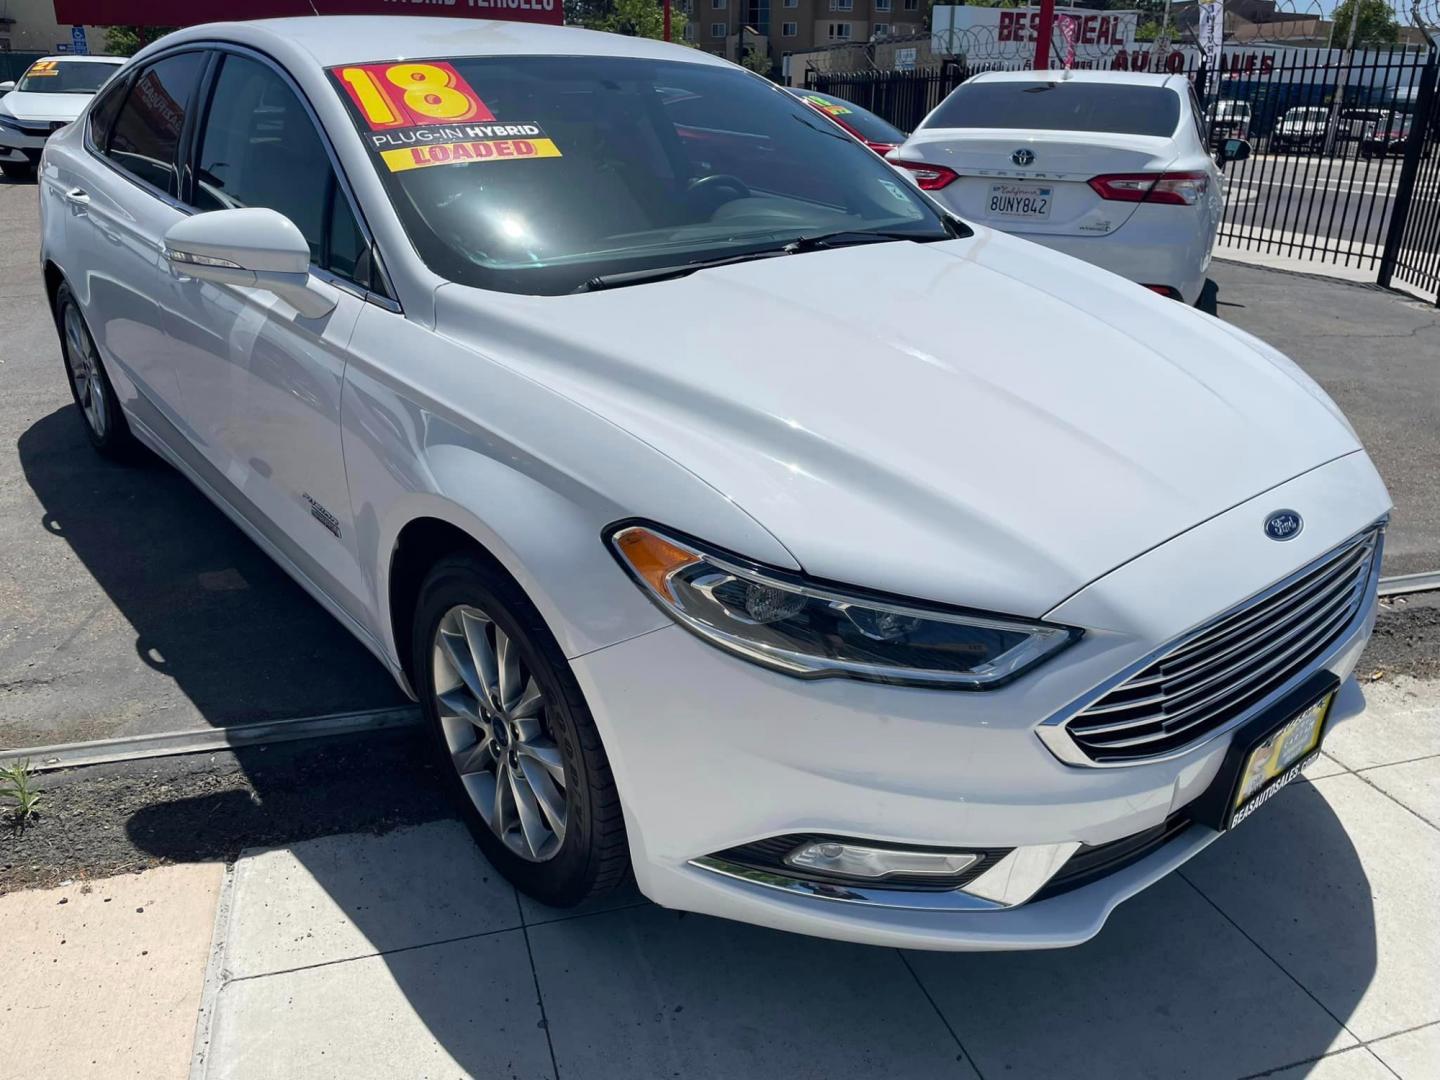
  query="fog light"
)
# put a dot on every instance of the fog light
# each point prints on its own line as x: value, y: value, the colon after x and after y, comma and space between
x: 857, y: 860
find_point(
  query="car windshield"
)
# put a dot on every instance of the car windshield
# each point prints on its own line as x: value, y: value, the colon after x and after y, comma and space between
x: 861, y: 121
x: 559, y: 170
x: 1113, y: 108
x: 1307, y: 114
x: 65, y: 77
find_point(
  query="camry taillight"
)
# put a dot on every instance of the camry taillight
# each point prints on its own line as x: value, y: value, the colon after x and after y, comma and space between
x: 1176, y: 188
x: 929, y: 177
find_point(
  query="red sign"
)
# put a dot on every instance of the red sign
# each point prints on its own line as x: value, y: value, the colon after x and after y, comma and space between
x: 194, y: 12
x: 1024, y: 26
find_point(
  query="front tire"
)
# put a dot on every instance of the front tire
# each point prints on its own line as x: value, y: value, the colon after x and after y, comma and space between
x: 517, y: 742
x: 89, y: 384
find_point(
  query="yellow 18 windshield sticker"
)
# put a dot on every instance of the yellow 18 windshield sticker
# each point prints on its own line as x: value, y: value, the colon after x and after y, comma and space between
x: 424, y: 114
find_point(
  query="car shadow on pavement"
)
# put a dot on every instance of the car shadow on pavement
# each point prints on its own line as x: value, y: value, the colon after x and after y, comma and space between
x: 1252, y: 958
x: 180, y: 589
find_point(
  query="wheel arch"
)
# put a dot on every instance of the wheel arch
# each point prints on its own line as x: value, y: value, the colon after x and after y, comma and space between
x: 418, y: 545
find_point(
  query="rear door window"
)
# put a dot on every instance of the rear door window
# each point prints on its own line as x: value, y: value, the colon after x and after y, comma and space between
x: 1112, y: 108
x: 145, y: 141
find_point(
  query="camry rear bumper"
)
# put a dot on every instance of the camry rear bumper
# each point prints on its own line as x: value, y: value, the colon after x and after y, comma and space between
x: 1155, y: 246
x: 716, y: 757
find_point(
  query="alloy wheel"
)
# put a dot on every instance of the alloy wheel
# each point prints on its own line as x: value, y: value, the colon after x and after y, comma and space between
x: 493, y: 715
x: 84, y: 368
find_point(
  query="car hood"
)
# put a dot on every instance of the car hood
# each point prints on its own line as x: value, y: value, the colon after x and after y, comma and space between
x: 982, y: 422
x: 46, y: 107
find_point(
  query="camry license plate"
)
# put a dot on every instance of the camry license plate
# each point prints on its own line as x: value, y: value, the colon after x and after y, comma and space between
x: 1278, y: 759
x: 1020, y: 200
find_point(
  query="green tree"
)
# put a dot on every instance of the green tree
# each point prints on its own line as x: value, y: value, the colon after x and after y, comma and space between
x: 1377, y: 25
x: 128, y: 40
x: 634, y: 18
x: 758, y: 61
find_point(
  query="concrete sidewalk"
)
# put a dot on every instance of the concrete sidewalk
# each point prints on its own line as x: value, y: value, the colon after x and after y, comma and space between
x: 1305, y: 944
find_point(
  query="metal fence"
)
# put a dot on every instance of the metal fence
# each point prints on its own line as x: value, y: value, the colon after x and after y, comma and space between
x: 13, y: 64
x: 1344, y: 168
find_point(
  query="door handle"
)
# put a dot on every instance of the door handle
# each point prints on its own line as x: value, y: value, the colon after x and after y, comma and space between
x: 78, y: 199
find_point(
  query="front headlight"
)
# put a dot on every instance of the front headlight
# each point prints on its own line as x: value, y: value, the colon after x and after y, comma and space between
x: 816, y: 631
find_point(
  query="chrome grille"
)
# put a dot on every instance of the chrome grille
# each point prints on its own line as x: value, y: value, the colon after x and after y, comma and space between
x: 1220, y: 671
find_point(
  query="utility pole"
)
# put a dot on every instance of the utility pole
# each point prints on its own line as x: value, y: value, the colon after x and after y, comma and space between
x: 1332, y: 136
x: 1042, y: 35
x: 667, y: 18
x: 1162, y: 41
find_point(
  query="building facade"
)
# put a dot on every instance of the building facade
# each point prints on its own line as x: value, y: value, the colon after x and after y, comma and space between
x: 792, y: 26
x: 30, y: 26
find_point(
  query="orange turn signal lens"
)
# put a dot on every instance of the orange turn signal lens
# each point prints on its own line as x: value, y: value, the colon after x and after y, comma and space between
x: 653, y: 558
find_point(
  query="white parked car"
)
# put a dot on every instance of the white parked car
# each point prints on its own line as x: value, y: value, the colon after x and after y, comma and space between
x: 1303, y: 128
x: 949, y: 619
x: 1108, y: 166
x: 53, y: 91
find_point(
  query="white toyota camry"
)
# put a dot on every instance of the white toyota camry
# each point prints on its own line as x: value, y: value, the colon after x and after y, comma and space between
x: 1108, y: 166
x: 53, y: 91
x: 948, y: 619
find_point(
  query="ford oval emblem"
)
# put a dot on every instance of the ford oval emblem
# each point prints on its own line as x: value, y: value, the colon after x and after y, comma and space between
x: 1023, y: 156
x: 1284, y: 525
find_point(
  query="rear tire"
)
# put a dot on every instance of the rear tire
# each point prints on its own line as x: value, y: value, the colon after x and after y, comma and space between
x: 17, y: 170
x: 518, y: 746
x: 90, y: 386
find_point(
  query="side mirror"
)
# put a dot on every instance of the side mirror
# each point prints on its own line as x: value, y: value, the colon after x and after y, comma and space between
x: 255, y: 247
x: 6, y: 87
x: 1234, y: 150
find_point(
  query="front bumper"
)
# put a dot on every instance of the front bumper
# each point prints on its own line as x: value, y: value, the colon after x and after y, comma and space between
x: 17, y: 145
x: 711, y: 753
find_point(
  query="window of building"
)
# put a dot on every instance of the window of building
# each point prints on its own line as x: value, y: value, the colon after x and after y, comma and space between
x: 842, y: 5
x: 789, y: 29
x: 839, y: 31
x: 792, y: 3
x: 689, y: 31
x: 146, y: 137
x: 882, y: 5
x: 912, y: 5
x: 882, y: 29
x: 258, y: 147
x: 717, y: 29
x: 718, y: 5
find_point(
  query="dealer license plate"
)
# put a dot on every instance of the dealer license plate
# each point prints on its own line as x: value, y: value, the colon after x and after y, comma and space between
x: 1278, y: 759
x: 1020, y: 200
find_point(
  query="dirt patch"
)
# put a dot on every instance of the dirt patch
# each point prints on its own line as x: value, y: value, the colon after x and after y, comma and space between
x: 1406, y: 639
x: 115, y: 819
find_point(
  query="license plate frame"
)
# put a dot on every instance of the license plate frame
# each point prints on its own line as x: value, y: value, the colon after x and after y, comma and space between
x: 1045, y: 193
x: 1221, y: 806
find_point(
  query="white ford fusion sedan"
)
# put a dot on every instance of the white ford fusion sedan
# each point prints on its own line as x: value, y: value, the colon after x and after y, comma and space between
x: 733, y: 512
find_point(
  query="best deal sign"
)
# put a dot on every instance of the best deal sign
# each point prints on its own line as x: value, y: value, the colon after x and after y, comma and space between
x: 191, y: 12
x: 1105, y: 30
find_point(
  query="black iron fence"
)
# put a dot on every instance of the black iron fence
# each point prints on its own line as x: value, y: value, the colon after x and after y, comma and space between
x: 1344, y: 168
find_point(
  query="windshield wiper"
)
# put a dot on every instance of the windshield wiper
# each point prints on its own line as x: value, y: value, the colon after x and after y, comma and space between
x: 675, y: 270
x: 850, y: 237
x: 953, y: 228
